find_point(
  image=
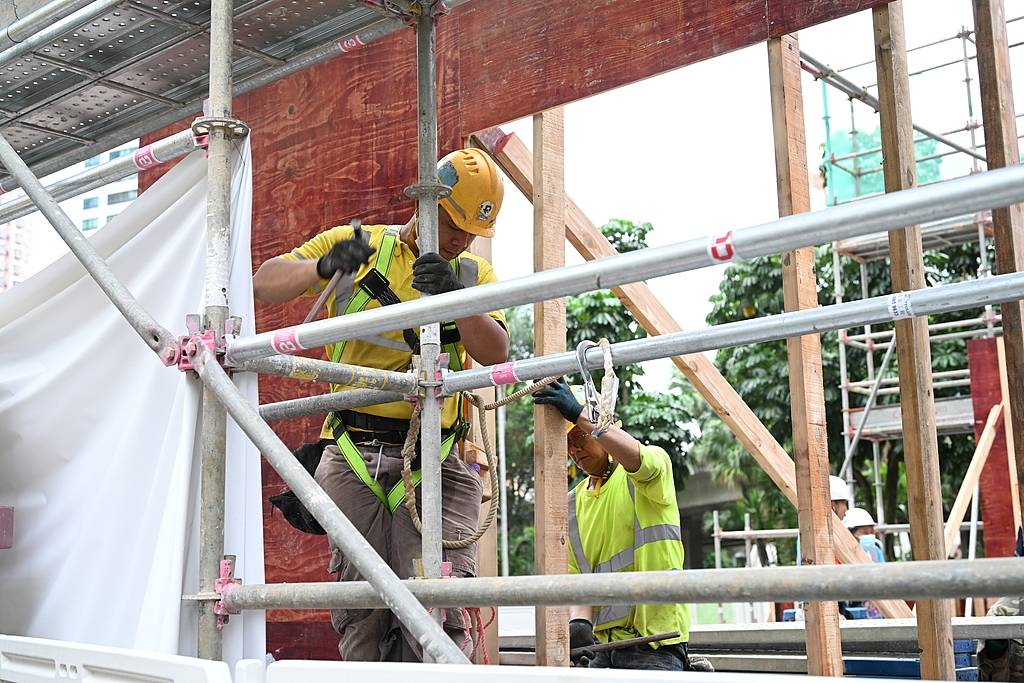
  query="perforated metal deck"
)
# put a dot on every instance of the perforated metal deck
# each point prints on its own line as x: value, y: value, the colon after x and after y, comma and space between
x: 141, y: 65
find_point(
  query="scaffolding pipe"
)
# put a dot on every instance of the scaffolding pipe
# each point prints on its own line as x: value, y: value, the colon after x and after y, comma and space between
x: 159, y: 339
x: 897, y: 210
x: 921, y: 302
x: 213, y: 438
x: 47, y: 32
x: 894, y: 391
x: 499, y: 420
x: 325, y: 403
x: 335, y: 48
x: 945, y: 374
x: 426, y: 193
x: 161, y: 151
x: 341, y: 374
x: 25, y: 27
x: 844, y: 85
x: 868, y: 407
x: 765, y: 534
x: 380, y: 580
x: 924, y: 580
x: 934, y: 327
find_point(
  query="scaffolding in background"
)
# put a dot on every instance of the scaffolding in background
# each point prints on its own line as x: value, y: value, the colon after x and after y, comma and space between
x: 212, y: 350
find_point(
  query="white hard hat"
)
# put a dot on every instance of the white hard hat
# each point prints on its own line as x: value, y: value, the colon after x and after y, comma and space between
x: 856, y: 517
x: 837, y: 488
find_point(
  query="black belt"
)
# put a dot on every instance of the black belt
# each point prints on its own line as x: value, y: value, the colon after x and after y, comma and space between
x: 388, y: 430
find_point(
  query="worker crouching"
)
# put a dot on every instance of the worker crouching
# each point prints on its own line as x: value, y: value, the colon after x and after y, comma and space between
x: 622, y: 518
x: 361, y: 464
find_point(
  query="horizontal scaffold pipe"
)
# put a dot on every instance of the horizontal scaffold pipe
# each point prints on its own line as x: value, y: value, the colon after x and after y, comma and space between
x: 161, y: 151
x: 932, y: 300
x: 931, y: 580
x: 391, y: 593
x: 897, y: 210
x: 56, y: 29
x: 315, y: 370
x: 325, y: 403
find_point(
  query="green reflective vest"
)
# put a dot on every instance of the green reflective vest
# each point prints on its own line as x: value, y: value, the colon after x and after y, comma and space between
x: 630, y: 524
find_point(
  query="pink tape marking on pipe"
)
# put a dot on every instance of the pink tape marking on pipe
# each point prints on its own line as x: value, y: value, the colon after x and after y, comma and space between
x: 144, y: 158
x: 720, y: 248
x: 351, y: 44
x: 505, y: 373
x: 287, y: 341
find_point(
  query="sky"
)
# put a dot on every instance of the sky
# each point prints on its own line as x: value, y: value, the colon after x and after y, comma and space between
x: 691, y: 151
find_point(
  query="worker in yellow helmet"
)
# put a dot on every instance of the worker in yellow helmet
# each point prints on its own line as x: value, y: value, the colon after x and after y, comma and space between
x: 362, y: 458
x: 622, y: 518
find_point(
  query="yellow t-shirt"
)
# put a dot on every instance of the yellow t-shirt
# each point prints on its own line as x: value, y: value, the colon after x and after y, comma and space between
x: 391, y: 352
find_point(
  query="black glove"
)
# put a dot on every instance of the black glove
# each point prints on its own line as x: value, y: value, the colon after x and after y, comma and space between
x: 581, y: 635
x: 431, y: 274
x: 559, y: 395
x: 345, y: 256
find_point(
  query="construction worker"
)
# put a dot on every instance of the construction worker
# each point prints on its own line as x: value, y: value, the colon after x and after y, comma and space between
x: 839, y: 493
x: 862, y: 525
x: 623, y: 517
x: 361, y: 467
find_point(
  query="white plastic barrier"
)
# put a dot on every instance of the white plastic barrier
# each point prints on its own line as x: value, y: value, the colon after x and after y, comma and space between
x: 374, y: 672
x: 35, y: 660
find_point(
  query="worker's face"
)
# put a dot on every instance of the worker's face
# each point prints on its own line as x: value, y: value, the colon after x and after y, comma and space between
x: 586, y: 452
x: 450, y: 240
x: 840, y: 507
x: 863, y: 531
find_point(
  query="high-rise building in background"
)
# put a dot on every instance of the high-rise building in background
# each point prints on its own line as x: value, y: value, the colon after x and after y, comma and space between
x: 29, y: 244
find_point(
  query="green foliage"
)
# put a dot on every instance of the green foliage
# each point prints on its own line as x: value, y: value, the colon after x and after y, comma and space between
x: 662, y: 419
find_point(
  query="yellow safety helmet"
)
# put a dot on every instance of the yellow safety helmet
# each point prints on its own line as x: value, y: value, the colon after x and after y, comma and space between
x: 477, y: 190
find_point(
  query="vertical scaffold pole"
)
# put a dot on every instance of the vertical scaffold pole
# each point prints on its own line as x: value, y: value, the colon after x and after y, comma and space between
x: 426, y: 193
x: 218, y: 236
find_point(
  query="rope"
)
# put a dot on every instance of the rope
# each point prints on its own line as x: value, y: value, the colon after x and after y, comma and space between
x: 605, y: 421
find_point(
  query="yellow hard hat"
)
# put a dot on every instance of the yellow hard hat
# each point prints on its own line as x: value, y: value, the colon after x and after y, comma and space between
x: 477, y: 190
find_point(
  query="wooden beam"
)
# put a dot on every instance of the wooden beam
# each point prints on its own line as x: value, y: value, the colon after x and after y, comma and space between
x: 1013, y: 474
x: 551, y: 502
x: 963, y: 497
x: 1002, y: 149
x: 920, y: 442
x: 487, y: 550
x: 806, y: 388
x: 517, y: 162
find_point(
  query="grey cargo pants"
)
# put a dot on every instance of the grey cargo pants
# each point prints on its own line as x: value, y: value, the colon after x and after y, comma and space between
x: 377, y: 635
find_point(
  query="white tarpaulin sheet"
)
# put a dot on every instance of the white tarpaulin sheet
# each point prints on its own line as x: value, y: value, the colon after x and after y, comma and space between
x: 98, y: 439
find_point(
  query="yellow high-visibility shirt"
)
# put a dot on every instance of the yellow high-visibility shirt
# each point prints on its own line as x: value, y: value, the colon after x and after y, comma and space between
x: 391, y: 352
x: 631, y: 523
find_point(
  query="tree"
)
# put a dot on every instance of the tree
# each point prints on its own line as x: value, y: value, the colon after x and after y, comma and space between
x: 658, y: 418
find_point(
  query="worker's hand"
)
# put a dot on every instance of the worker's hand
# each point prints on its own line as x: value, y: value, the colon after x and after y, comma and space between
x: 559, y: 395
x: 431, y: 274
x: 581, y: 636
x: 345, y: 256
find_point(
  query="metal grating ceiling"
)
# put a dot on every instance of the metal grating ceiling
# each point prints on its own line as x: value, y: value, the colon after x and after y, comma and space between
x: 142, y: 64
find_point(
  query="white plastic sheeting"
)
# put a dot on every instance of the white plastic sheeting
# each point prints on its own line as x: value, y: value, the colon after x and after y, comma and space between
x: 98, y: 439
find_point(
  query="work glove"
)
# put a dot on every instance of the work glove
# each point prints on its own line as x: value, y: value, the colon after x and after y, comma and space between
x: 345, y: 256
x: 559, y: 395
x: 581, y: 635
x: 431, y: 274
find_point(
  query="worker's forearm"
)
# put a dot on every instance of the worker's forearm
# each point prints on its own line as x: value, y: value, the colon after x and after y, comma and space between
x: 279, y: 280
x: 623, y: 448
x: 486, y: 341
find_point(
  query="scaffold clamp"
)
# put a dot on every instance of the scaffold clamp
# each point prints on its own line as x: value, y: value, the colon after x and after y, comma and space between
x: 202, y: 126
x: 223, y: 585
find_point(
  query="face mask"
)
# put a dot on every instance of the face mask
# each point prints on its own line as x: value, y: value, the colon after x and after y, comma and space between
x: 868, y: 540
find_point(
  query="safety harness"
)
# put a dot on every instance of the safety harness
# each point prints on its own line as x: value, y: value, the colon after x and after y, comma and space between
x: 375, y: 286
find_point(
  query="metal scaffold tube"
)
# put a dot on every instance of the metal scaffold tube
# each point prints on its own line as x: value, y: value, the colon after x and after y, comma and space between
x: 890, y: 212
x: 391, y: 593
x: 926, y: 580
x: 325, y: 403
x: 161, y: 151
x: 159, y: 339
x: 426, y: 193
x: 315, y: 370
x: 52, y: 30
x: 35, y: 21
x: 929, y: 301
x: 213, y: 440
